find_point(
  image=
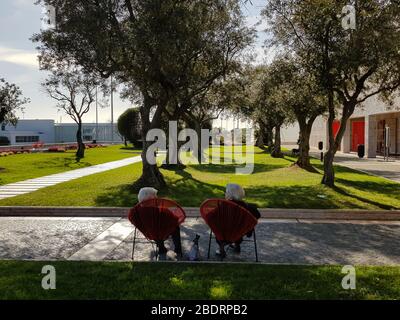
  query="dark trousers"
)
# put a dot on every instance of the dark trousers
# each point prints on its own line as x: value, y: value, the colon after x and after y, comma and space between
x: 176, y: 238
x: 237, y: 243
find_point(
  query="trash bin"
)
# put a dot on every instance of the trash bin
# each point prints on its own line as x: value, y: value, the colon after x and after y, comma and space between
x: 361, y: 151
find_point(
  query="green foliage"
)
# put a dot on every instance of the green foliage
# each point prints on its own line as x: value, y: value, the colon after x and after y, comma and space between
x: 129, y: 126
x: 11, y: 100
x: 165, y: 51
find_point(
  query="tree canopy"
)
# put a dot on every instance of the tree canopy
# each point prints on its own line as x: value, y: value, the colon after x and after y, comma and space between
x: 352, y: 65
x: 129, y: 126
x: 167, y: 50
x: 11, y: 100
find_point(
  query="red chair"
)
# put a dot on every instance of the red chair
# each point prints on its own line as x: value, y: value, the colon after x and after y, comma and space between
x: 156, y: 219
x: 228, y: 221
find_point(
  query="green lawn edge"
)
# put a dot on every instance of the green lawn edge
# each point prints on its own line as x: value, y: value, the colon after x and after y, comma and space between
x: 276, y: 183
x: 163, y: 281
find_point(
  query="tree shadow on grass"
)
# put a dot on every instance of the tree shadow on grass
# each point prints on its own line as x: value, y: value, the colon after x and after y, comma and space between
x: 121, y: 196
x: 191, y: 192
x: 231, y: 168
x: 62, y: 163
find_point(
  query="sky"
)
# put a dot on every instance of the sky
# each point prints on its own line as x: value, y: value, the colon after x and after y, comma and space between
x: 20, y: 19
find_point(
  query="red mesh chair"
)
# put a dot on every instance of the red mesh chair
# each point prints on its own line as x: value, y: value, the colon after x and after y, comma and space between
x: 228, y: 221
x: 156, y: 219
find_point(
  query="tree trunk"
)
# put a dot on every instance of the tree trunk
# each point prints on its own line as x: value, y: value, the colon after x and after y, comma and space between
x: 304, y: 142
x: 304, y: 151
x: 200, y: 152
x: 80, y: 153
x: 151, y: 175
x: 269, y: 140
x: 329, y: 171
x: 260, y: 140
x: 334, y: 142
x: 173, y: 151
x: 277, y: 150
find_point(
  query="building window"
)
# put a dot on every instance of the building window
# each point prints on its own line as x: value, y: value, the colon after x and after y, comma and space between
x: 88, y: 131
x: 26, y: 139
x: 3, y: 127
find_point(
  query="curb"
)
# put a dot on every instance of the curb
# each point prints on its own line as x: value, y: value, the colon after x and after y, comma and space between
x: 309, y: 214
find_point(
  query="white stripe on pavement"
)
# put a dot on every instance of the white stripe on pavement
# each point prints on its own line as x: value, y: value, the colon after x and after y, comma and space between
x: 31, y: 185
x: 104, y: 243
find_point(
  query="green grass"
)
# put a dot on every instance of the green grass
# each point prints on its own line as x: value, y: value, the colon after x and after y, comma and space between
x: 158, y: 281
x: 27, y: 166
x: 275, y: 183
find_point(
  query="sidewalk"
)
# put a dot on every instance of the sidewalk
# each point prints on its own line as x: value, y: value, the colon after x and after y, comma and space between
x: 315, y: 242
x: 31, y: 185
x: 374, y: 166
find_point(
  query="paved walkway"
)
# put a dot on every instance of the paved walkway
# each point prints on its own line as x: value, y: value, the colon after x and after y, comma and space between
x: 27, y: 186
x: 375, y: 166
x: 280, y: 241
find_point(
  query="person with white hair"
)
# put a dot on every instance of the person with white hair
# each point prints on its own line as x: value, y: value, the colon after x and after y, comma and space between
x: 147, y: 194
x: 236, y: 194
x: 151, y: 193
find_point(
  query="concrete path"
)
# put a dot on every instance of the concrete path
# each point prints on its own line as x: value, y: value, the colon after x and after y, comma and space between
x: 378, y: 166
x: 27, y: 186
x: 280, y: 241
x: 375, y: 166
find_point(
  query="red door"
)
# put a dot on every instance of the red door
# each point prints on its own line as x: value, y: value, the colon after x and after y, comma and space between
x: 336, y: 127
x: 357, y: 134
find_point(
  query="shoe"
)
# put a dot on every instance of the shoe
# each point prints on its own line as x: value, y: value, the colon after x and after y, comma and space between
x: 172, y: 256
x: 222, y: 254
x: 236, y: 248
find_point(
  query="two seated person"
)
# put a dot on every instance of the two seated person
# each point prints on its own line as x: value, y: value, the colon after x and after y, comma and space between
x: 234, y: 193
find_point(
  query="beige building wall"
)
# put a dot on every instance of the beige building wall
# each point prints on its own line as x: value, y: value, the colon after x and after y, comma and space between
x: 372, y: 112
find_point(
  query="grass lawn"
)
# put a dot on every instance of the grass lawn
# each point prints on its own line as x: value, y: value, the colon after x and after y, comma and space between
x: 114, y: 280
x: 27, y: 166
x: 275, y: 183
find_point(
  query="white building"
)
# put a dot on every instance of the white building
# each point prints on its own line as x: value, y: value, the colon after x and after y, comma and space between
x: 29, y: 132
x: 228, y: 123
x: 367, y: 126
x: 66, y: 132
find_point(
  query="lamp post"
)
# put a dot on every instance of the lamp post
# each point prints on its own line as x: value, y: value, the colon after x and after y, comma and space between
x: 97, y: 118
x: 112, y: 111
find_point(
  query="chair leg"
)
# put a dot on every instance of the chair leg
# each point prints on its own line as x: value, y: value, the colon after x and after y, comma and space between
x: 255, y: 244
x: 209, y: 245
x: 134, y: 243
x: 156, y: 252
